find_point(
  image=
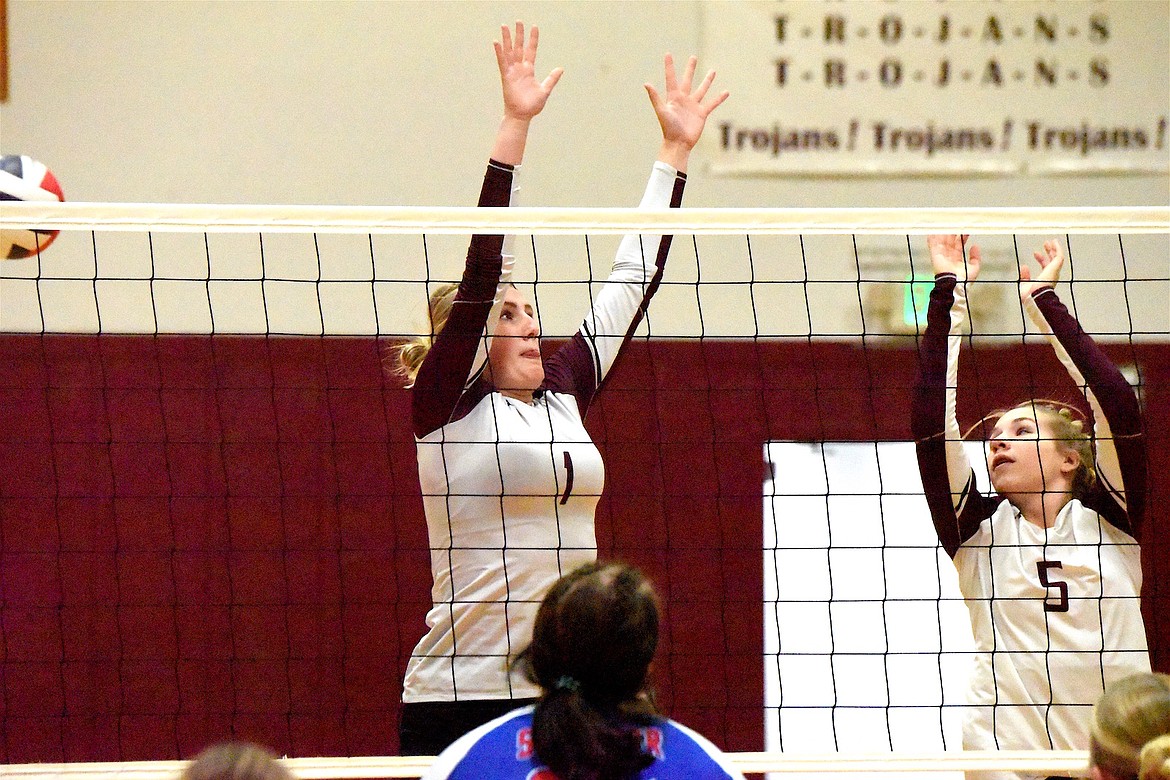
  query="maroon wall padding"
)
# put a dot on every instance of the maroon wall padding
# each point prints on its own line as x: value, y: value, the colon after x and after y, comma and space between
x: 203, y: 538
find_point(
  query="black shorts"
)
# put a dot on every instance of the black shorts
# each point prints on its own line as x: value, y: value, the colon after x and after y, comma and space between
x: 425, y: 728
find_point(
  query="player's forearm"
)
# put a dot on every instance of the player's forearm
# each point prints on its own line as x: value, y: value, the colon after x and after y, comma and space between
x: 450, y: 362
x: 675, y: 154
x: 511, y: 138
x: 637, y: 269
x: 928, y: 409
x: 1113, y: 393
x: 638, y: 253
x: 932, y: 415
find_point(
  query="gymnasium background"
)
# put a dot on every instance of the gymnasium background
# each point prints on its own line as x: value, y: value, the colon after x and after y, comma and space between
x: 201, y: 537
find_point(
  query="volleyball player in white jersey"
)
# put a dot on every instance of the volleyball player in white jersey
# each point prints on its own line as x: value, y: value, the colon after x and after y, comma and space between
x: 510, y: 478
x: 1049, y: 566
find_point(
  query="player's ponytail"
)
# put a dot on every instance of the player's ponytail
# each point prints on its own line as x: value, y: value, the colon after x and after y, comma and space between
x: 594, y: 638
x: 409, y: 356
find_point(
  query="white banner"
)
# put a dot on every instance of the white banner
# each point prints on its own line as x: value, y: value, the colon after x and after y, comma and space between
x: 857, y: 87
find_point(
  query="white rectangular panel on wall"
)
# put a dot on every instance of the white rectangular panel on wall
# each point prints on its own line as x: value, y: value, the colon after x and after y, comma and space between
x: 867, y: 641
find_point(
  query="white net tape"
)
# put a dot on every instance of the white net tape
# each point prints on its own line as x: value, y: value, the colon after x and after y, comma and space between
x: 596, y: 221
x: 318, y: 270
x: 1041, y: 762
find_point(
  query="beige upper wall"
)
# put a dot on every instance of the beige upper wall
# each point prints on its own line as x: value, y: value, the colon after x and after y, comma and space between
x: 388, y: 103
x: 396, y: 103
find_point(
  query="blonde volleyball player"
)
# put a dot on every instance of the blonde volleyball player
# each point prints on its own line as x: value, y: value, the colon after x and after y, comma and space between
x: 1049, y: 566
x: 510, y: 478
x: 236, y: 761
x: 1131, y: 730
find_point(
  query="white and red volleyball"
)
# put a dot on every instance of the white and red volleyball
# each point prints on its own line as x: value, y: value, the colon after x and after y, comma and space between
x: 23, y: 178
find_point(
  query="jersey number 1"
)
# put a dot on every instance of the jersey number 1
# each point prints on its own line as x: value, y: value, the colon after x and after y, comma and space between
x: 568, y: 478
x: 1061, y: 605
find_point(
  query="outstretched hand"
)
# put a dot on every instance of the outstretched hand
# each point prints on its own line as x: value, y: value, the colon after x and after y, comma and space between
x: 1051, y: 260
x: 524, y: 96
x: 680, y: 109
x: 947, y: 256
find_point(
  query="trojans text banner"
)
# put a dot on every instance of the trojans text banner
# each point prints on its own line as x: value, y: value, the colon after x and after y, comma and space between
x: 940, y: 88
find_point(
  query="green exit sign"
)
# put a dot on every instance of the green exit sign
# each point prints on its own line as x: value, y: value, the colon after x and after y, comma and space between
x: 915, y: 296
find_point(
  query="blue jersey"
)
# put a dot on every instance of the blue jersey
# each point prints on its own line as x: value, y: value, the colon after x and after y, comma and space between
x: 502, y: 750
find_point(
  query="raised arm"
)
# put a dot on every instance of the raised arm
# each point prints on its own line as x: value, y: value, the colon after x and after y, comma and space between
x: 459, y: 351
x: 947, y: 478
x: 1117, y: 428
x: 682, y: 110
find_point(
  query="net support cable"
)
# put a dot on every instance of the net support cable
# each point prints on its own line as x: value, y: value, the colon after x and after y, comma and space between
x: 207, y: 218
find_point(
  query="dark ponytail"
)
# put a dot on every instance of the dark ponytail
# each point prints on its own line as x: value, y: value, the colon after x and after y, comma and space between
x: 594, y: 638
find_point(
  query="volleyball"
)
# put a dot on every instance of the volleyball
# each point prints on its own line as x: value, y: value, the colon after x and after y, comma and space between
x: 23, y: 178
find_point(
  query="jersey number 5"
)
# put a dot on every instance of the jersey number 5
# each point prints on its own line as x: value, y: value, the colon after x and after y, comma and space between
x: 1061, y: 605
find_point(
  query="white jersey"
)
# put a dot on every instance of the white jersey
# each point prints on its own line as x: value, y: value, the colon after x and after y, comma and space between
x: 510, y: 488
x: 504, y: 525
x: 1055, y: 617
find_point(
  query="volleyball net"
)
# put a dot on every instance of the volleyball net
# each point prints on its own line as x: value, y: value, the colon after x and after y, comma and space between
x: 211, y: 520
